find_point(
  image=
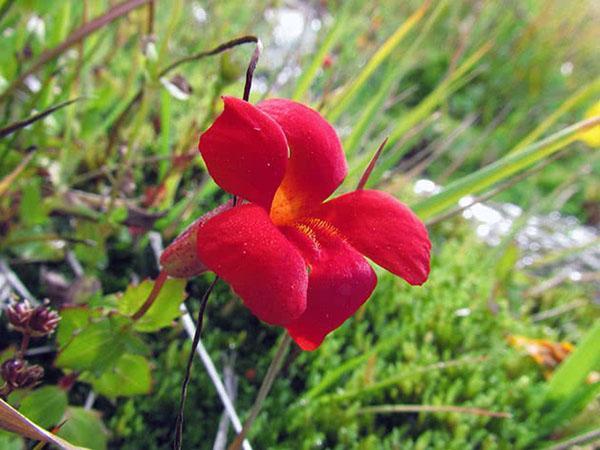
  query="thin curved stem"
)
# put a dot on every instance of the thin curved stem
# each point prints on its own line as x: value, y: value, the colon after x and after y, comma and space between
x: 188, y: 371
x: 250, y: 70
x: 158, y: 284
x: 265, y: 387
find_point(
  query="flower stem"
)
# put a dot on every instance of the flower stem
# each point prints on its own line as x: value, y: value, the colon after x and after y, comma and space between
x: 265, y: 387
x: 24, y: 344
x: 188, y: 371
x: 250, y: 70
x: 158, y: 284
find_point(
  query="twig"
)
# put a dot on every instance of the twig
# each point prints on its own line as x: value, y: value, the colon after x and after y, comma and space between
x: 265, y: 387
x: 89, y: 401
x: 551, y: 313
x: 74, y: 263
x: 140, y: 94
x: 231, y: 383
x: 14, y: 127
x: 591, y: 437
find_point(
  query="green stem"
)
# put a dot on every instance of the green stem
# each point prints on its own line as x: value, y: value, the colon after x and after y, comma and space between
x: 267, y: 383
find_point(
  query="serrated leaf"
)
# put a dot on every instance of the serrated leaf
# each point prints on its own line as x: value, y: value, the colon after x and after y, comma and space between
x: 97, y: 347
x: 131, y: 375
x: 85, y: 428
x: 72, y: 321
x: 45, y: 405
x: 164, y: 309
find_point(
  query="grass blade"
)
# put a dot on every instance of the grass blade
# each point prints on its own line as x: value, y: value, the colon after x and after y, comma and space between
x: 350, y: 92
x: 500, y: 170
x: 309, y: 74
x: 76, y: 36
x: 571, y: 374
x: 395, y: 409
x: 439, y: 94
x: 581, y: 95
x: 8, y: 180
x: 419, y: 114
x: 393, y: 75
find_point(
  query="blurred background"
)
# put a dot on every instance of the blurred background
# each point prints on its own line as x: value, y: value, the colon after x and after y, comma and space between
x: 483, y: 104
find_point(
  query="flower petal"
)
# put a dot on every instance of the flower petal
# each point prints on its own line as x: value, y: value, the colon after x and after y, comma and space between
x: 245, y: 152
x: 340, y: 281
x: 317, y: 164
x: 243, y: 247
x: 384, y: 230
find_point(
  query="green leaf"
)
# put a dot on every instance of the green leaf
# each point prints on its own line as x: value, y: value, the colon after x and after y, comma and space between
x: 9, y: 441
x: 84, y: 428
x: 500, y: 170
x: 97, y: 347
x: 164, y: 309
x: 131, y: 375
x: 45, y: 405
x: 72, y: 320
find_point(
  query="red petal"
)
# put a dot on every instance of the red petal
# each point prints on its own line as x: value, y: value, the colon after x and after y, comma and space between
x: 244, y: 248
x: 383, y: 229
x: 245, y: 152
x: 180, y: 258
x: 317, y: 163
x: 340, y: 281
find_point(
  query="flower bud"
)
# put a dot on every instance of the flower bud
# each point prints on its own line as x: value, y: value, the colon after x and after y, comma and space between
x: 180, y: 258
x: 19, y: 315
x: 43, y: 321
x: 18, y: 374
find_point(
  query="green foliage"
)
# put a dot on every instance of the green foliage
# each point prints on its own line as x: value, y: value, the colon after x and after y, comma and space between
x: 45, y: 406
x: 10, y: 441
x: 97, y: 347
x: 114, y: 164
x: 84, y: 428
x: 163, y: 311
x: 438, y: 345
x: 130, y: 375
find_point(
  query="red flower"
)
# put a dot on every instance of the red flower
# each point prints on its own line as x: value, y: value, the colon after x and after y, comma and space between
x: 295, y: 260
